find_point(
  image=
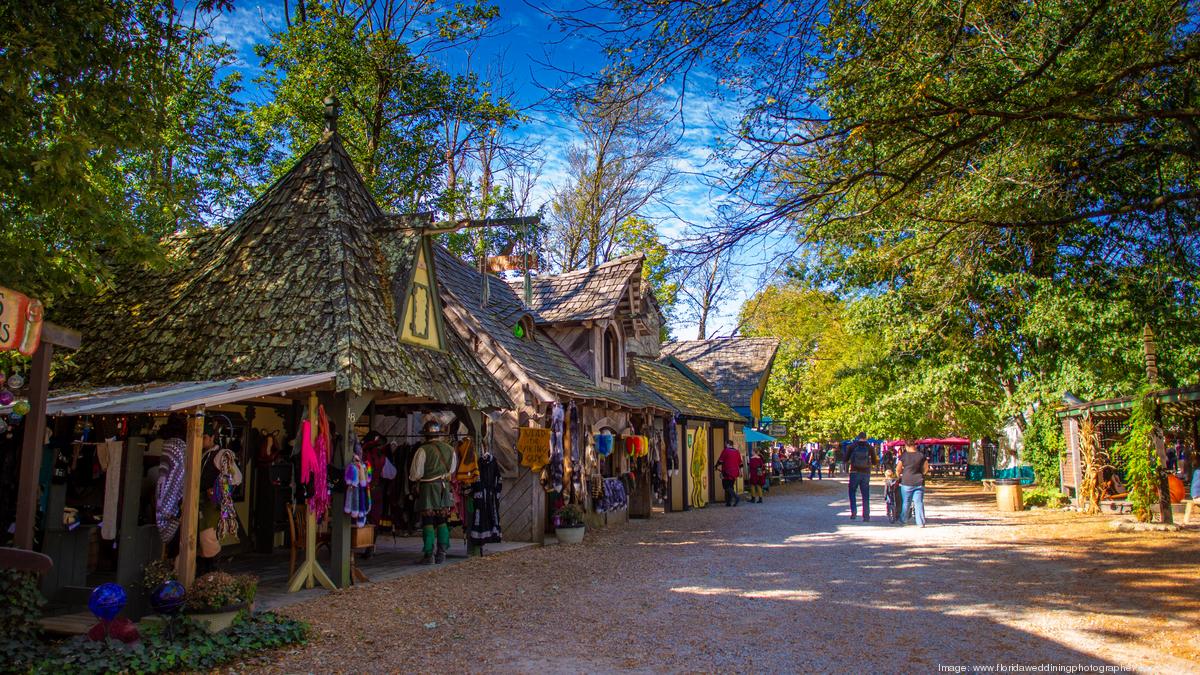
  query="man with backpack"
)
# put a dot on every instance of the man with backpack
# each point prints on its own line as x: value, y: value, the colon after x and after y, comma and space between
x: 860, y: 457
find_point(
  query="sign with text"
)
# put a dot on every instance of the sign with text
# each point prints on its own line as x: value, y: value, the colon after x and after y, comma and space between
x: 20, y: 322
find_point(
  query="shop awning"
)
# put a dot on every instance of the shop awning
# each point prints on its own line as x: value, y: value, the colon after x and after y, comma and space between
x: 176, y: 396
x: 755, y: 436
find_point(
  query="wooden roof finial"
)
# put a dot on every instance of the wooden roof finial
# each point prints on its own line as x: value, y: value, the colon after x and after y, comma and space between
x: 332, y: 110
x: 1150, y: 348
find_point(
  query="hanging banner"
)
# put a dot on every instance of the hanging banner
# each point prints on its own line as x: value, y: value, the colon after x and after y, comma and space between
x: 20, y: 322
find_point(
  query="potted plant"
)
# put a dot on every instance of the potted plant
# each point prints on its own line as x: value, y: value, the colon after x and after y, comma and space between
x: 216, y: 598
x: 570, y: 529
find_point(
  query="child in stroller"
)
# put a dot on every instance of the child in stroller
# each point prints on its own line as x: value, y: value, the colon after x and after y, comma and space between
x: 891, y: 495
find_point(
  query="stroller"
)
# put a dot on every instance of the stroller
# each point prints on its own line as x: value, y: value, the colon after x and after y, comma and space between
x: 891, y: 495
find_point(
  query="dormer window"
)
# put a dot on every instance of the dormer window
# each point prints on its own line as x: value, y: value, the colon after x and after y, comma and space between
x: 612, y: 354
x: 523, y: 330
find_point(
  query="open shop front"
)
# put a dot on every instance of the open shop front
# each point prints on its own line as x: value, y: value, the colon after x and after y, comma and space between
x: 280, y: 477
x: 1093, y: 429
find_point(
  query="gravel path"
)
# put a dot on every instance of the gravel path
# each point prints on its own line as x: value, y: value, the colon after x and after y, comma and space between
x: 788, y: 585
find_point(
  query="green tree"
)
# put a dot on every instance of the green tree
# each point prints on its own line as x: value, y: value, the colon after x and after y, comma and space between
x: 407, y: 123
x: 116, y: 129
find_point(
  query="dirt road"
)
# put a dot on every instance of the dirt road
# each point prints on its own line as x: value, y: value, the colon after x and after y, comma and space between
x: 789, y: 585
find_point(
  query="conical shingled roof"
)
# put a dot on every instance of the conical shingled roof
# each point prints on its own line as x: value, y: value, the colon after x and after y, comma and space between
x: 297, y: 284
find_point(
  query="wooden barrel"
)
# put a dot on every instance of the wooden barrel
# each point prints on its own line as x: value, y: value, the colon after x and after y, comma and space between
x: 1008, y: 495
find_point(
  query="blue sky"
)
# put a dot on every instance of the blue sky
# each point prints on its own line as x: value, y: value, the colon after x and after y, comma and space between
x: 525, y: 40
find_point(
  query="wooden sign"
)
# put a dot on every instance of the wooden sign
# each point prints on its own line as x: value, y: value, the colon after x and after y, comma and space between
x: 20, y: 322
x: 533, y: 441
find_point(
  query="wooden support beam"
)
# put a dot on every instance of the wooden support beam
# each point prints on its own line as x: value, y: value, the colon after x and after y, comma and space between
x: 345, y: 411
x: 60, y: 336
x: 31, y: 446
x: 189, y: 519
x: 309, y: 571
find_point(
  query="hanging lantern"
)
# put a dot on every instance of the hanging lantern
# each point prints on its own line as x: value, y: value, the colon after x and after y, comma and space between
x: 16, y: 381
x: 6, y: 397
x: 21, y: 407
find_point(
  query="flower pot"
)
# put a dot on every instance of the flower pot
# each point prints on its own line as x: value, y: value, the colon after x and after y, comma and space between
x: 218, y: 620
x: 570, y: 535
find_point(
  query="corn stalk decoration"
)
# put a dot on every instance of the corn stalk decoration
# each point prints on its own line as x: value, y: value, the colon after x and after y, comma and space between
x: 1095, y: 462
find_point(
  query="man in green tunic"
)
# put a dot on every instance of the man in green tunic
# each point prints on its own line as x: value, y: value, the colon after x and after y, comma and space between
x: 432, y: 467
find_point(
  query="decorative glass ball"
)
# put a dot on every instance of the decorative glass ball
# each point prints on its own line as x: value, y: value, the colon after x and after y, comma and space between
x: 3, y: 425
x: 107, y: 601
x: 168, y: 598
x: 14, y: 418
x: 21, y: 407
x: 16, y: 381
x: 6, y: 397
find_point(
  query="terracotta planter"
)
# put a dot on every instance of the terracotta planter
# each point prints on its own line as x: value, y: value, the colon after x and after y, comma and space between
x: 219, y: 620
x: 570, y: 535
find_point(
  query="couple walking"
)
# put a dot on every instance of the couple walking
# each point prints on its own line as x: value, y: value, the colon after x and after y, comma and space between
x: 730, y: 464
x: 911, y: 467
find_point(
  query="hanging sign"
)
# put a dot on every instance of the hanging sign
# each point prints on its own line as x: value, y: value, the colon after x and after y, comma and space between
x: 20, y: 322
x: 534, y: 446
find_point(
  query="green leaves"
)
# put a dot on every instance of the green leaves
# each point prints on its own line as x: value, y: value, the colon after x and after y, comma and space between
x: 402, y: 115
x: 116, y: 130
x: 192, y: 648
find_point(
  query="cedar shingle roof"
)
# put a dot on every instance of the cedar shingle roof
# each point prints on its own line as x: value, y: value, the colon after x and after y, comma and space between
x: 299, y: 283
x: 734, y: 366
x: 685, y: 395
x: 598, y: 292
x: 540, y: 357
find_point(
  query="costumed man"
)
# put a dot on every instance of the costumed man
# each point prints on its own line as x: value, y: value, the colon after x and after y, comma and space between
x: 433, y: 465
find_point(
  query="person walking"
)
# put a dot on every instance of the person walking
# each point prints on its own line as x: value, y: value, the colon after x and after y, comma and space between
x: 758, y: 476
x: 815, y: 459
x: 912, y: 467
x: 730, y: 463
x: 860, y: 457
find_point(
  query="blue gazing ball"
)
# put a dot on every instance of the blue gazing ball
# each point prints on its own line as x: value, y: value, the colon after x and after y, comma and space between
x: 168, y: 598
x: 107, y: 601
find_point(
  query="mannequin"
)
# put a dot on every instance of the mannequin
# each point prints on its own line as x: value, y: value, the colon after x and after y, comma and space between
x: 433, y: 465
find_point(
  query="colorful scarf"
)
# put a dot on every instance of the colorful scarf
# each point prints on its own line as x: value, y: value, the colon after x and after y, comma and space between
x: 169, y: 492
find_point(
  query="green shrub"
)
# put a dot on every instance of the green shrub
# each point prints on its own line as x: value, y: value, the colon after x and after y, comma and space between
x: 191, y: 648
x: 1044, y: 496
x: 1138, y: 455
x: 20, y: 608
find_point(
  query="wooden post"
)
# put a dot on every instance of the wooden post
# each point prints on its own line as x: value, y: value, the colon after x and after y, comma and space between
x: 309, y: 570
x: 189, y: 519
x: 31, y: 446
x: 346, y: 411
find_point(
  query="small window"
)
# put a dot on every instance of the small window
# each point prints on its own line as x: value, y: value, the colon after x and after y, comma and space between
x: 523, y: 330
x: 612, y: 354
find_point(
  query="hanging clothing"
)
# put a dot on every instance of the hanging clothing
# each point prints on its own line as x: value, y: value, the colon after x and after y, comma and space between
x: 169, y: 491
x: 604, y: 444
x: 314, y: 463
x: 358, y: 477
x: 554, y: 470
x: 468, y: 465
x: 485, y: 495
x: 110, y: 456
x: 224, y: 463
x: 671, y: 436
x: 432, y: 466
